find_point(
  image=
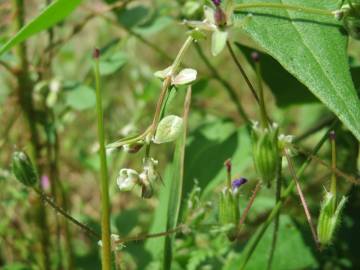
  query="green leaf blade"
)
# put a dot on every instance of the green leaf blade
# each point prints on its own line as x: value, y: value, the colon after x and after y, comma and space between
x: 313, y: 49
x: 51, y: 15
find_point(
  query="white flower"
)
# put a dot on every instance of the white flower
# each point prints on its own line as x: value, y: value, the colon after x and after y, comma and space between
x: 185, y: 76
x: 127, y: 179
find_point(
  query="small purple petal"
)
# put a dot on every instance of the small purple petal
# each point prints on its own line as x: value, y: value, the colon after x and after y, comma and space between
x: 238, y: 182
x: 216, y: 2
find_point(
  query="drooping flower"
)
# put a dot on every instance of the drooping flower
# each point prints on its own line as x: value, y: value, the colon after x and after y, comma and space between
x: 127, y: 179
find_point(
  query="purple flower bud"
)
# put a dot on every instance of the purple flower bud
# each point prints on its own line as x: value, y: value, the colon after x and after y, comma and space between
x: 227, y: 164
x: 220, y: 17
x: 96, y: 53
x: 216, y: 2
x: 238, y: 182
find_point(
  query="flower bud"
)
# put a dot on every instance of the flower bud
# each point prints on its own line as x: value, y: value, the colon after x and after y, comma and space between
x: 219, y: 17
x: 229, y: 212
x: 23, y: 169
x: 266, y: 152
x: 329, y: 217
x: 127, y: 179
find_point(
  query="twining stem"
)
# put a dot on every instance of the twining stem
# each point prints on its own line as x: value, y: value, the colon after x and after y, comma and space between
x: 242, y: 71
x: 58, y: 209
x: 250, y: 203
x: 251, y: 246
x: 302, y: 197
x: 105, y: 203
x: 241, y: 7
x: 277, y: 217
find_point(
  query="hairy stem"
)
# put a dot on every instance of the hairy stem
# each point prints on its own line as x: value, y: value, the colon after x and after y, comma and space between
x: 302, y: 198
x: 61, y: 211
x: 250, y: 203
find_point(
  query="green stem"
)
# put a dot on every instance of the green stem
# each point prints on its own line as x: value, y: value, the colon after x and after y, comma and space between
x: 240, y: 7
x: 264, y: 118
x: 24, y: 92
x: 61, y: 211
x: 181, y: 54
x: 277, y: 217
x: 242, y: 71
x: 250, y: 247
x: 105, y: 203
x: 333, y: 167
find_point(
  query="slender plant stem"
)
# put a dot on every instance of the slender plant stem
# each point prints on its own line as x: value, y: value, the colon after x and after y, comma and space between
x: 105, y: 203
x: 241, y: 7
x: 58, y: 209
x: 24, y: 92
x: 229, y: 89
x: 146, y: 236
x: 249, y: 205
x: 302, y: 198
x: 242, y: 71
x: 251, y: 246
x: 264, y: 115
x: 277, y: 217
x: 333, y: 167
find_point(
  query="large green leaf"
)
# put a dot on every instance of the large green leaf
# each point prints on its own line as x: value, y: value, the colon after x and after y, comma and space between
x: 313, y: 49
x: 291, y: 252
x: 51, y: 15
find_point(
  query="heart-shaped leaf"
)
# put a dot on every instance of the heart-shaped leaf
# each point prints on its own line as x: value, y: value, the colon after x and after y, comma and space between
x: 313, y: 49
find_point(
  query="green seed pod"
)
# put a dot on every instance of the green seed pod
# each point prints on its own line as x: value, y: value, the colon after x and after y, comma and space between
x: 266, y: 152
x: 329, y: 218
x: 23, y: 169
x: 229, y: 212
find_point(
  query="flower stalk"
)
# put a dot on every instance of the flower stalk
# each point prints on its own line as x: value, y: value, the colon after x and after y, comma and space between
x: 105, y: 203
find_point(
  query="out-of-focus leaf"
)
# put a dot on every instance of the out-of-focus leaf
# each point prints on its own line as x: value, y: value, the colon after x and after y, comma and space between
x: 291, y: 252
x: 313, y: 49
x: 111, y: 64
x: 133, y: 16
x: 80, y: 98
x: 285, y: 87
x: 156, y: 26
x: 52, y: 14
